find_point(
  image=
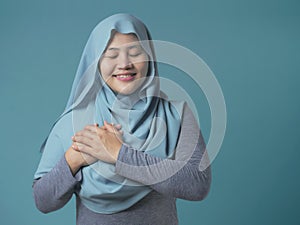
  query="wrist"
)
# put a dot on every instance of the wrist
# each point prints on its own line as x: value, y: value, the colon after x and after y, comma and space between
x: 115, y: 153
x: 74, y: 163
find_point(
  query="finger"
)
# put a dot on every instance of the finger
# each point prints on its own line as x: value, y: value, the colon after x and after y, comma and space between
x: 86, y: 133
x: 116, y: 129
x: 118, y: 126
x: 83, y: 140
x: 109, y: 127
x: 76, y: 146
x: 96, y: 130
x: 103, y: 127
x: 84, y: 149
x: 92, y: 128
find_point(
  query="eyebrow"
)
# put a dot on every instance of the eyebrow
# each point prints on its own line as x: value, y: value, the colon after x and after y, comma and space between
x: 130, y: 47
x: 113, y: 49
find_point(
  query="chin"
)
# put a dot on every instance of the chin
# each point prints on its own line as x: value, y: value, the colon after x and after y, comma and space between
x: 127, y: 91
x: 130, y: 88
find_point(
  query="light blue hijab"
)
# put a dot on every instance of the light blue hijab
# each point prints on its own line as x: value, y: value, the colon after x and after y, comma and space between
x: 149, y: 121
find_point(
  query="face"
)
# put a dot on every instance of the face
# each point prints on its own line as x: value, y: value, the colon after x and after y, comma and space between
x: 123, y: 63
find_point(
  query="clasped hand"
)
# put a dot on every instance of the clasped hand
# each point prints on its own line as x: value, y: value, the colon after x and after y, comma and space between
x: 98, y: 143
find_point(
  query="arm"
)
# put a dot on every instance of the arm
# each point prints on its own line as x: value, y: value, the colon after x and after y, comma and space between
x: 181, y: 177
x: 53, y: 190
x: 56, y: 177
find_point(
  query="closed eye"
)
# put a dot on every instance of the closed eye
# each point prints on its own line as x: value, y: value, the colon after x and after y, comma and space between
x: 135, y: 54
x: 111, y: 53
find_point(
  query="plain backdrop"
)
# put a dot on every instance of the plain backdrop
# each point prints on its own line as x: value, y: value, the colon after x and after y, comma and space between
x: 253, y: 48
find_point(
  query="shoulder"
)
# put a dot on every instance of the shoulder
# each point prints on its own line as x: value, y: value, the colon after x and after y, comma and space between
x: 60, y: 133
x: 63, y: 125
x: 188, y: 116
x: 55, y: 145
x: 183, y: 109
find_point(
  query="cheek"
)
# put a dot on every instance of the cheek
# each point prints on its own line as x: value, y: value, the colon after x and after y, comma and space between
x: 142, y: 68
x: 106, y: 69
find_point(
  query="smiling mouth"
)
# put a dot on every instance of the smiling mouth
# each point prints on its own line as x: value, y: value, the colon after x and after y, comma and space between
x: 125, y: 77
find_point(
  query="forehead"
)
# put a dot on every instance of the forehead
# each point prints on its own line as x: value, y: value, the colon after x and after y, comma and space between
x: 118, y: 40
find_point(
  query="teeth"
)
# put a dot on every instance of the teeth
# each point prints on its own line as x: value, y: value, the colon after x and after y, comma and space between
x: 124, y: 76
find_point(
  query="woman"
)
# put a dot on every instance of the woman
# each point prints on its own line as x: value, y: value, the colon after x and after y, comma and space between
x: 121, y: 146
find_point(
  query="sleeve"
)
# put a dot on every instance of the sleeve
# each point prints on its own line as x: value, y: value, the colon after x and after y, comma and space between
x: 187, y: 176
x: 55, y: 189
x: 54, y: 183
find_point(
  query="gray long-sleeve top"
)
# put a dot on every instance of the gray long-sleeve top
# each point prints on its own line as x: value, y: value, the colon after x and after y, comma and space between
x: 190, y: 179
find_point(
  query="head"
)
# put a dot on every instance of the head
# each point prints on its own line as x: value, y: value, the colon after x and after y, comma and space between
x: 124, y: 63
x: 112, y: 50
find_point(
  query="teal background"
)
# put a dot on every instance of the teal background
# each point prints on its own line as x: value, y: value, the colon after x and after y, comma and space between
x: 253, y: 48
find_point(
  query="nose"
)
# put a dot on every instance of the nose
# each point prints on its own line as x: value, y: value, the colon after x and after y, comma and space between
x: 124, y: 62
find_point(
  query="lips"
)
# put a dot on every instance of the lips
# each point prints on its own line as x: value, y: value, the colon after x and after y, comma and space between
x: 125, y: 76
